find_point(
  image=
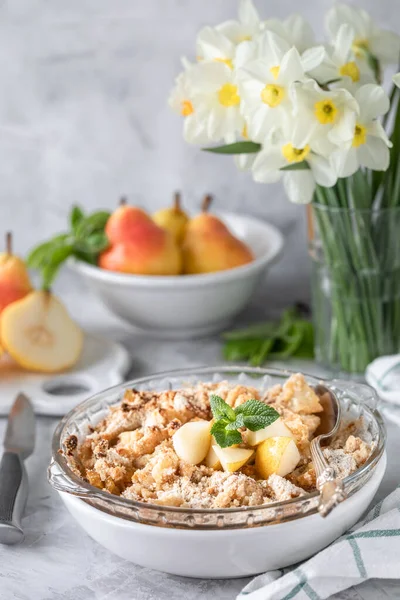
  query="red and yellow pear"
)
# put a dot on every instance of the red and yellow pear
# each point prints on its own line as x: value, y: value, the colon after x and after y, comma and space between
x: 14, y: 277
x: 209, y: 246
x: 138, y: 245
x: 173, y: 219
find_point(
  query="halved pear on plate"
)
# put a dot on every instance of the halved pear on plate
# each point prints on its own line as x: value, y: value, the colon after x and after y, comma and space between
x: 277, y: 455
x: 276, y: 429
x: 39, y: 334
x: 232, y: 459
x: 192, y: 441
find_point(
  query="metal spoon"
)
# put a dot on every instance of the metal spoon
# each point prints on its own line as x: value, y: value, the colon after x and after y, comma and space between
x: 331, y: 489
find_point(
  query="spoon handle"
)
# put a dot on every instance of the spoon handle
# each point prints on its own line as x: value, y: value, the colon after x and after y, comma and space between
x: 331, y: 488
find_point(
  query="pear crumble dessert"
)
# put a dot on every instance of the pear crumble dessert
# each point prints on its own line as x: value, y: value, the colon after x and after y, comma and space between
x: 213, y: 445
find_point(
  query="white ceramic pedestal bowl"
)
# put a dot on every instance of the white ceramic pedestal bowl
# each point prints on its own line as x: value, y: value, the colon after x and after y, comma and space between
x: 190, y: 305
x: 215, y: 543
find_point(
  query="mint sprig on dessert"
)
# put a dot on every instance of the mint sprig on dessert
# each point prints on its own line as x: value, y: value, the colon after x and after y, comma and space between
x: 253, y: 414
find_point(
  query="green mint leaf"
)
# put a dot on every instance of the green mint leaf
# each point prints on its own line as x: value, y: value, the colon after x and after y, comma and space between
x: 256, y: 415
x: 224, y: 430
x: 39, y: 256
x: 97, y: 242
x: 93, y: 223
x: 236, y: 424
x: 50, y: 270
x: 225, y: 437
x: 232, y: 438
x: 76, y: 217
x: 220, y: 409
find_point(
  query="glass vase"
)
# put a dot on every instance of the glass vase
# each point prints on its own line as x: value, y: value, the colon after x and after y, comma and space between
x: 355, y: 284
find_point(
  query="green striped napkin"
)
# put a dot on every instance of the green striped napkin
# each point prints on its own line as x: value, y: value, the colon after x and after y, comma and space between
x: 370, y: 550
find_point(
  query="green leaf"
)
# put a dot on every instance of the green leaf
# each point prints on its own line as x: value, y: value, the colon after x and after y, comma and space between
x: 236, y: 148
x: 50, y: 270
x: 93, y: 223
x: 299, y: 166
x: 260, y: 354
x: 76, y: 217
x: 252, y: 332
x: 237, y: 423
x: 97, y: 242
x: 220, y: 409
x: 256, y: 414
x: 224, y: 437
x: 39, y: 256
x: 241, y: 349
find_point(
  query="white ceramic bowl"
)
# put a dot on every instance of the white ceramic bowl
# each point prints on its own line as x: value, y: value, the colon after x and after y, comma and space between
x: 216, y: 543
x: 190, y: 305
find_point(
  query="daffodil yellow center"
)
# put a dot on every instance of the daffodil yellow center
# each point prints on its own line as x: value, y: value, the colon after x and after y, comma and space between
x: 325, y: 111
x: 360, y: 135
x: 245, y: 133
x: 186, y: 108
x: 293, y: 154
x: 351, y: 70
x: 226, y: 61
x: 228, y: 95
x: 272, y: 95
x: 360, y: 46
x: 275, y: 71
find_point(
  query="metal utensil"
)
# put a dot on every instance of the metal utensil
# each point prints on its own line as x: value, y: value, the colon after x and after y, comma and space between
x: 19, y: 442
x: 331, y: 488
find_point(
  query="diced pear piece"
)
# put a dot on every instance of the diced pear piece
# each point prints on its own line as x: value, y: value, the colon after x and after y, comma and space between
x: 232, y: 459
x: 212, y: 460
x: 39, y: 334
x: 277, y: 455
x: 192, y: 441
x: 276, y: 429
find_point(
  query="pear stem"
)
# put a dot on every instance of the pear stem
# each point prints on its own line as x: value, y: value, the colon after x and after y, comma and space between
x: 9, y: 242
x: 177, y: 201
x: 206, y: 203
x: 123, y: 201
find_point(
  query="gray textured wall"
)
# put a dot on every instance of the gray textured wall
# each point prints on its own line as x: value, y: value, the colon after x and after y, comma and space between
x: 84, y: 115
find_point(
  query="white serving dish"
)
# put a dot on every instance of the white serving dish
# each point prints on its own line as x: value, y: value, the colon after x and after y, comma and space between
x: 190, y: 305
x: 216, y: 543
x: 227, y: 553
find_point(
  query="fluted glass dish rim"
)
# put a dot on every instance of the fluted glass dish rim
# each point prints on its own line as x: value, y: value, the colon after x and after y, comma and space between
x: 358, y: 396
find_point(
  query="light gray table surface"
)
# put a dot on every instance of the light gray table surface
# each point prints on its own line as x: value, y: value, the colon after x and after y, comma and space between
x: 57, y: 560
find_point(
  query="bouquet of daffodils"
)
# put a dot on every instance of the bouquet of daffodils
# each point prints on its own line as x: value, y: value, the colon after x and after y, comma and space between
x: 291, y: 109
x: 314, y: 115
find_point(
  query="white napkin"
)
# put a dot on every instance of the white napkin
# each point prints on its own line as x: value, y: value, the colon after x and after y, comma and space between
x: 383, y: 374
x: 369, y: 550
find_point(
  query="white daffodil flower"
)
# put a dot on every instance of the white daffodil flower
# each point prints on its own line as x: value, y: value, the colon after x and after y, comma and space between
x: 211, y: 44
x: 295, y: 30
x: 215, y: 99
x: 281, y: 152
x: 182, y: 101
x: 340, y: 61
x: 290, y: 34
x: 370, y: 145
x: 329, y: 116
x: 368, y: 39
x: 264, y: 85
x: 246, y: 27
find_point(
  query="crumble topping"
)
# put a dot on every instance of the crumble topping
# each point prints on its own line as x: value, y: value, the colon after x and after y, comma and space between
x: 131, y: 451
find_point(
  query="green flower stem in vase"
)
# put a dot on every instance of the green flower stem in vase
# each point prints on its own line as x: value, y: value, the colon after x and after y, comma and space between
x: 355, y: 279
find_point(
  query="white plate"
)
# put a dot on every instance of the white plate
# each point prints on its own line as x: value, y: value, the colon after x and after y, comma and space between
x: 103, y: 364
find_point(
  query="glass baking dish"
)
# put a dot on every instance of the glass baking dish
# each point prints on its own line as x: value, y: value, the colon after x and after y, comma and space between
x: 357, y: 400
